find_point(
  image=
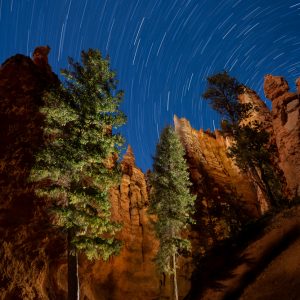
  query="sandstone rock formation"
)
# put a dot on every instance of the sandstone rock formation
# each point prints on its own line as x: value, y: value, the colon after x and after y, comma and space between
x: 207, y: 159
x: 132, y: 274
x: 27, y: 243
x: 262, y: 115
x: 40, y: 55
x: 286, y: 125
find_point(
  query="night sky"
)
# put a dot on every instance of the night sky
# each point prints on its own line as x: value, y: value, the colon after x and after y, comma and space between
x: 162, y: 50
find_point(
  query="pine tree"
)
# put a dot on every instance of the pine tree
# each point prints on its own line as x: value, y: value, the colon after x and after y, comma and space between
x: 252, y: 153
x: 223, y: 91
x: 250, y: 150
x: 77, y: 165
x: 170, y: 201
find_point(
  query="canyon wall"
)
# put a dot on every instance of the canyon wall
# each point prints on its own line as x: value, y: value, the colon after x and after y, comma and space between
x: 27, y: 243
x: 208, y: 163
x: 132, y: 274
x: 286, y: 125
x: 263, y: 116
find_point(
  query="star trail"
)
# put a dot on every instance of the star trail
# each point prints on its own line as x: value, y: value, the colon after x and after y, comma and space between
x: 162, y: 50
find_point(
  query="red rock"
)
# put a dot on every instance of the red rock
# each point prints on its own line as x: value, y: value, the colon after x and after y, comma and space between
x: 263, y: 116
x: 261, y: 113
x: 275, y: 86
x: 40, y: 55
x: 206, y: 154
x: 286, y: 125
x: 298, y: 86
x: 29, y: 247
x: 132, y: 274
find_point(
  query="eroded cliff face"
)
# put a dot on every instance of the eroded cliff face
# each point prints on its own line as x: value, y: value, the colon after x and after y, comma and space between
x: 286, y: 125
x: 260, y: 113
x: 132, y: 274
x: 29, y: 247
x: 263, y: 116
x: 212, y: 171
x: 225, y: 196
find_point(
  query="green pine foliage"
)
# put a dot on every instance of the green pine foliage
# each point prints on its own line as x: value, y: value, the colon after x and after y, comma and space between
x: 252, y: 151
x: 77, y: 165
x: 170, y: 198
x: 250, y: 146
x: 222, y: 92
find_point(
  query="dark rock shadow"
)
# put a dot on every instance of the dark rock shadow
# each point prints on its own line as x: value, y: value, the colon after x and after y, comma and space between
x: 220, y: 262
x: 270, y: 254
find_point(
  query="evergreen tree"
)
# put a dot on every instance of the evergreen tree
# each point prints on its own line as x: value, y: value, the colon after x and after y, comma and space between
x: 252, y: 153
x: 223, y: 91
x: 77, y: 165
x: 250, y: 150
x: 170, y: 201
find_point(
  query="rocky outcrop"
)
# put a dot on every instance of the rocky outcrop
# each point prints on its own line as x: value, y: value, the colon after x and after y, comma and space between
x: 40, y: 56
x: 262, y: 116
x: 286, y: 125
x: 264, y: 267
x: 226, y: 197
x: 27, y: 243
x: 132, y: 274
x: 208, y: 163
x: 260, y: 112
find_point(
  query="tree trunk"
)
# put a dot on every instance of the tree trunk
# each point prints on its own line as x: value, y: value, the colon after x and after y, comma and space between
x: 268, y: 189
x: 175, y: 278
x: 258, y: 180
x: 73, y: 281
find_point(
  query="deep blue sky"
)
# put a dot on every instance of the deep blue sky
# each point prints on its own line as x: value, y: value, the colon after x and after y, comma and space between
x: 162, y: 50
